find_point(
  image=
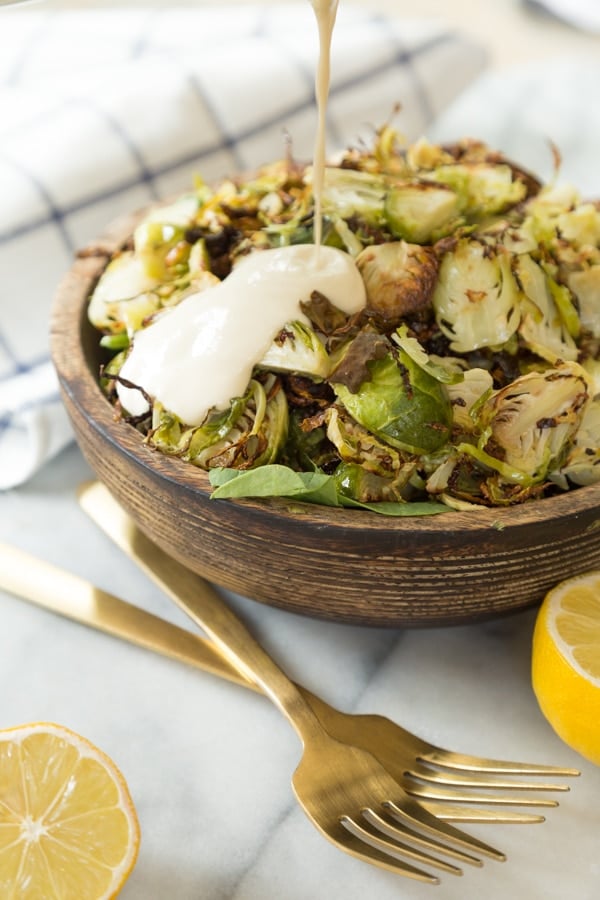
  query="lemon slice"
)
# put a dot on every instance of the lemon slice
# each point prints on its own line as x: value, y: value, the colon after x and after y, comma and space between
x: 566, y: 662
x: 68, y: 827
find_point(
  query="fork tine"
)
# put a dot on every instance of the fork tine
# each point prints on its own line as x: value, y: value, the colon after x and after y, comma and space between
x: 418, y: 816
x: 353, y: 842
x: 393, y: 848
x: 392, y: 829
x: 449, y: 760
x: 474, y: 815
x: 477, y: 780
x: 440, y: 793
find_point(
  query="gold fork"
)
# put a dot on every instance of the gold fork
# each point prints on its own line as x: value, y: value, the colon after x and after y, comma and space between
x: 439, y: 778
x: 344, y: 790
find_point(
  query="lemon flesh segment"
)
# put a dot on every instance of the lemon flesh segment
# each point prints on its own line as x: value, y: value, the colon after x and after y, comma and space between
x: 68, y: 827
x: 566, y: 662
x: 576, y: 616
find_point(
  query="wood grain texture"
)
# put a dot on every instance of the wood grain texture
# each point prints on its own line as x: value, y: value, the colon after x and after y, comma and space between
x: 344, y: 565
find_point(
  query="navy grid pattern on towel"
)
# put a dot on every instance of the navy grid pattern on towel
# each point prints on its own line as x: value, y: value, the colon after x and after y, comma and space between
x: 104, y: 111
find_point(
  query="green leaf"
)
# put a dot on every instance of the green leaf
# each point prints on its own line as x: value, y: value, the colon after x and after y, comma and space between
x: 310, y: 487
x: 405, y: 407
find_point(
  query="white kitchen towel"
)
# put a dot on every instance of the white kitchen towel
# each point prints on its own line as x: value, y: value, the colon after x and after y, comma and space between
x: 581, y: 14
x: 102, y: 111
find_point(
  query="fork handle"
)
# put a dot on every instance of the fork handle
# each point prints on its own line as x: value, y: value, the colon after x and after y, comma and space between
x: 204, y: 606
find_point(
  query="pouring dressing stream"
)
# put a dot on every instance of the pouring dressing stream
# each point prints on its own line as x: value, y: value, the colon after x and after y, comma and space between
x: 200, y: 354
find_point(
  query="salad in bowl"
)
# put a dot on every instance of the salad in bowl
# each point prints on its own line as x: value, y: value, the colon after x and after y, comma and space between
x: 469, y: 378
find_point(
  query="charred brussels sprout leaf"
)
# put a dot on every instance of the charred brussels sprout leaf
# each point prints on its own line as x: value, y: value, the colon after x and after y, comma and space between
x: 351, y: 366
x: 356, y: 445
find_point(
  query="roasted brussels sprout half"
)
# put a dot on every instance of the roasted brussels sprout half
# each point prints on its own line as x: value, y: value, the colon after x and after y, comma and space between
x: 421, y: 212
x: 399, y: 279
x: 527, y: 426
x: 476, y: 298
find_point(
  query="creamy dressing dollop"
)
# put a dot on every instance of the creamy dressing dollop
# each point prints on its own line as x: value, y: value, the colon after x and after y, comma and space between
x: 201, y: 353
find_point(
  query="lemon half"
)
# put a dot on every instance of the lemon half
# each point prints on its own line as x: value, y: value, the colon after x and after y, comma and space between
x: 68, y: 827
x: 566, y: 662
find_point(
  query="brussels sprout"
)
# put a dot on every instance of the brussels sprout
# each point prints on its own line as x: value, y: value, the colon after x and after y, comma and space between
x: 483, y: 188
x: 401, y: 404
x: 552, y: 200
x: 582, y: 463
x: 352, y: 480
x: 297, y: 349
x: 153, y: 241
x: 109, y: 372
x: 250, y: 432
x: 438, y: 368
x: 591, y: 367
x: 558, y: 210
x: 399, y: 279
x: 530, y: 423
x: 421, y: 212
x: 123, y: 296
x: 542, y: 326
x: 425, y: 155
x: 466, y: 396
x: 565, y: 304
x: 347, y: 192
x: 580, y: 225
x: 585, y: 285
x: 476, y: 298
x: 355, y: 444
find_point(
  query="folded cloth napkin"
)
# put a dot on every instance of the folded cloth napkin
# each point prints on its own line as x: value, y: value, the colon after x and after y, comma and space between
x: 104, y: 111
x: 581, y: 14
x: 532, y: 109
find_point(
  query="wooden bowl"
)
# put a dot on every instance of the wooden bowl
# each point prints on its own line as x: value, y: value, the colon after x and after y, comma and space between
x: 343, y: 565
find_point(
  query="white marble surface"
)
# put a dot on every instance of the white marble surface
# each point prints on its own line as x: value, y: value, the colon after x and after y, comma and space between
x: 209, y: 764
